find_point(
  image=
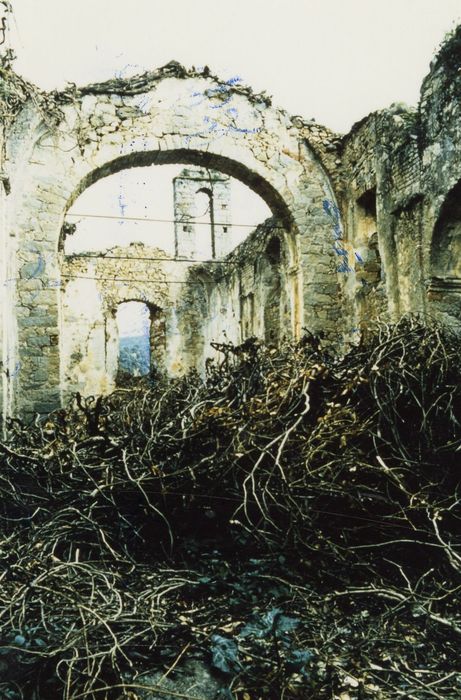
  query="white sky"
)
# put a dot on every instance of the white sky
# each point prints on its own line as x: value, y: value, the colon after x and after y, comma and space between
x: 332, y: 60
x: 148, y: 193
x: 133, y: 319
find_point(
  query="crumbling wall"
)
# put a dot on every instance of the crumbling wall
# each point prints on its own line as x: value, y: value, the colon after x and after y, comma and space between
x: 440, y: 110
x: 381, y: 165
x: 166, y: 116
x: 255, y: 292
x: 3, y: 276
x: 93, y: 286
x: 410, y: 161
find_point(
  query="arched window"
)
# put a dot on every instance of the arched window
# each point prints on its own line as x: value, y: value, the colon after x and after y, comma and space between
x: 205, y: 214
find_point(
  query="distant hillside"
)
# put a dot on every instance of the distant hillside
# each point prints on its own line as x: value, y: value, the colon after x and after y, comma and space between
x: 134, y: 355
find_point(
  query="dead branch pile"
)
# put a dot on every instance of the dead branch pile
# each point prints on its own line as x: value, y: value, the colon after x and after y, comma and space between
x: 293, y: 520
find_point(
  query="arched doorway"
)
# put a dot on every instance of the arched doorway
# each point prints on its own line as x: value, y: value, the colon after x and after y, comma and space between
x: 134, y: 337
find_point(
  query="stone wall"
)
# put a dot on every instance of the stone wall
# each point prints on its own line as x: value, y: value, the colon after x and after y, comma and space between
x: 409, y: 161
x: 440, y: 110
x: 381, y: 159
x: 253, y: 292
x: 94, y: 285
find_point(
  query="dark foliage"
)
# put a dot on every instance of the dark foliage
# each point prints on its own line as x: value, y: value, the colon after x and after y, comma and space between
x: 293, y: 520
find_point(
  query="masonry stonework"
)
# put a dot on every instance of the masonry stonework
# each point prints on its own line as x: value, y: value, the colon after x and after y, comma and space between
x: 202, y: 224
x: 364, y: 226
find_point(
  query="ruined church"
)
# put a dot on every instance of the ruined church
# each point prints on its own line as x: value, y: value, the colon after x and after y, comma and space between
x: 363, y: 226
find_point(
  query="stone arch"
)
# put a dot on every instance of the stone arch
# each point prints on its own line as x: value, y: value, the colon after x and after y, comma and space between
x: 207, y: 193
x: 102, y: 132
x: 446, y: 239
x: 203, y: 159
x: 444, y: 292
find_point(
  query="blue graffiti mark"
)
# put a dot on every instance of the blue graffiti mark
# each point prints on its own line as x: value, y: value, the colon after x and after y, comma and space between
x: 201, y: 95
x: 344, y: 267
x: 39, y: 269
x: 218, y: 90
x: 120, y: 74
x: 122, y: 204
x: 17, y: 367
x: 213, y: 127
x: 40, y: 266
x: 143, y: 103
x: 218, y: 131
x: 43, y: 260
x: 234, y: 80
x: 340, y: 251
x: 14, y: 373
x: 244, y: 131
x: 333, y: 212
x: 331, y: 209
x: 213, y: 123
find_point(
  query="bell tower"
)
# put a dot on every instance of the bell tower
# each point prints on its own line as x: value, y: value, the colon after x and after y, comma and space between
x: 202, y: 200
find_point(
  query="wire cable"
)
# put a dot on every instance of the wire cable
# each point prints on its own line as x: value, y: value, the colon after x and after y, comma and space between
x: 141, y: 257
x: 127, y: 279
x: 162, y: 221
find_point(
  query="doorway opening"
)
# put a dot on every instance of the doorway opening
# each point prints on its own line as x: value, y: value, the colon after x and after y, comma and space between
x: 134, y: 345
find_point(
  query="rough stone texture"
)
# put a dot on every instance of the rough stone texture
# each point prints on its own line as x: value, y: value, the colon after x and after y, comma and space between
x: 202, y: 224
x: 256, y: 291
x: 155, y: 119
x: 365, y: 225
x: 89, y: 301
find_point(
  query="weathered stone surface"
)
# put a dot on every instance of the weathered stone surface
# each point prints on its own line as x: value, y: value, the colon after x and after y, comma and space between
x: 364, y: 225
